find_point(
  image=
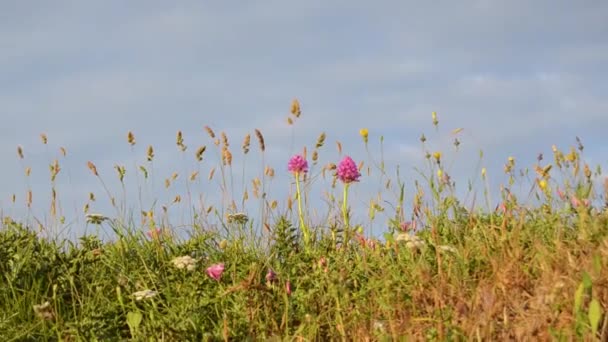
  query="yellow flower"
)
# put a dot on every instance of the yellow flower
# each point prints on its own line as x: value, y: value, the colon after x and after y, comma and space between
x: 439, y: 174
x: 437, y: 156
x: 364, y: 133
x: 483, y: 172
x: 542, y: 184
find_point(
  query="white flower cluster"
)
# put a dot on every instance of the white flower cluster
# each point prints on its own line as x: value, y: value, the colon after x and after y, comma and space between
x: 186, y: 262
x: 139, y: 295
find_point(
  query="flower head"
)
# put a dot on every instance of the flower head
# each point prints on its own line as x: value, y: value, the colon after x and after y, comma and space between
x: 348, y: 171
x: 215, y: 271
x: 297, y: 164
x: 186, y: 262
x: 364, y: 133
x: 271, y: 276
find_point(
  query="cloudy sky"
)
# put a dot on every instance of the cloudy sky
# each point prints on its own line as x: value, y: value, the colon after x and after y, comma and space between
x: 518, y: 76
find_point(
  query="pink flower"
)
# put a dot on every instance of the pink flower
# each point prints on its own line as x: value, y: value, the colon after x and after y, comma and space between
x: 154, y: 233
x: 288, y: 288
x: 297, y: 164
x: 215, y: 271
x: 271, y: 276
x: 348, y: 171
x: 407, y: 226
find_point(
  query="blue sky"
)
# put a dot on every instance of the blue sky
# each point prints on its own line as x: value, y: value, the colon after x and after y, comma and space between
x: 518, y: 76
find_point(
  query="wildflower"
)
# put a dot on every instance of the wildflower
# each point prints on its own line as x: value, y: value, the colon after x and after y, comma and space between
x: 271, y: 277
x: 542, y: 184
x: 347, y: 171
x: 44, y: 311
x: 215, y: 271
x: 437, y: 156
x: 411, y: 241
x: 364, y: 133
x: 297, y: 164
x: 434, y: 116
x: 483, y: 172
x: 406, y: 226
x: 139, y: 295
x: 154, y: 233
x: 186, y: 262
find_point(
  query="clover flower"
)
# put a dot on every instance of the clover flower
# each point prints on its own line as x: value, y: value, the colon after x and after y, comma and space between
x: 347, y: 171
x: 297, y: 164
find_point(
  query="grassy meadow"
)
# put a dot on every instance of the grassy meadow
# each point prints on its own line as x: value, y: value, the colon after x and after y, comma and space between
x: 531, y: 265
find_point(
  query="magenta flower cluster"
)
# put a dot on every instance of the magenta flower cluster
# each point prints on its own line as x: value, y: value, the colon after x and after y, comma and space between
x: 297, y: 164
x: 348, y: 171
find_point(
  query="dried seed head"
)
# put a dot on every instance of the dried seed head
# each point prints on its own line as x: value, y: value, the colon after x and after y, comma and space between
x: 289, y: 121
x: 54, y: 169
x: 28, y: 171
x: 225, y: 140
x: 131, y: 138
x: 20, y: 152
x: 43, y: 138
x: 339, y: 147
x: 320, y: 140
x: 269, y: 171
x: 63, y: 151
x: 92, y: 167
x: 315, y: 156
x: 200, y: 152
x: 193, y: 176
x: 177, y: 199
x: 91, y: 197
x: 28, y: 199
x: 211, y: 173
x: 210, y: 132
x: 180, y: 141
x: 167, y: 183
x: 295, y: 108
x: 226, y: 156
x: 246, y: 143
x: 150, y: 153
x: 260, y: 137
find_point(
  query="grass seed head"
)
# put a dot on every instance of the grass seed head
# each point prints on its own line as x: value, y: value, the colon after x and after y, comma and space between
x: 92, y: 167
x: 210, y: 132
x: 295, y: 108
x: 131, y: 138
x: 260, y: 137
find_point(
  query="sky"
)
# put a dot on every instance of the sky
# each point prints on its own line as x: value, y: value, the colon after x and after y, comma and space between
x: 517, y: 76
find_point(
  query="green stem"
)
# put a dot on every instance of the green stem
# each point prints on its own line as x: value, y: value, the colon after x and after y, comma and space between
x: 301, y: 214
x: 345, y: 214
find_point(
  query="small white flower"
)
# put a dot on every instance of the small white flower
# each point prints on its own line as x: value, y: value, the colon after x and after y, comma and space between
x: 411, y: 241
x: 186, y: 262
x: 139, y: 295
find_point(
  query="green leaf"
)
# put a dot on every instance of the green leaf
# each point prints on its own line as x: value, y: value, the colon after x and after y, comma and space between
x: 594, y: 314
x: 587, y: 282
x: 134, y: 319
x: 578, y: 298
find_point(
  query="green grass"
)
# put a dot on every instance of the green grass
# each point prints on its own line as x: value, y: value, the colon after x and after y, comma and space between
x: 522, y: 271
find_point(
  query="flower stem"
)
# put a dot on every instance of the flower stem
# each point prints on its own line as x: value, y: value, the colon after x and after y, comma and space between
x: 345, y: 214
x: 301, y: 214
